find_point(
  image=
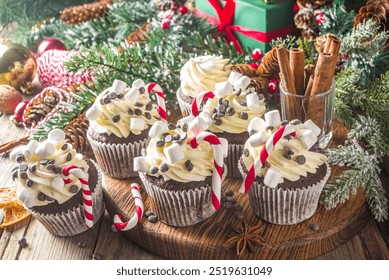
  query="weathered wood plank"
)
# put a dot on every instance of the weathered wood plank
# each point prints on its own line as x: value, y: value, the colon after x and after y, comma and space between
x: 9, y: 241
x: 352, y: 250
x: 373, y: 242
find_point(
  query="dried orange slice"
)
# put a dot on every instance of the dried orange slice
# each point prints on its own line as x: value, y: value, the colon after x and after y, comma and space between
x: 12, y: 208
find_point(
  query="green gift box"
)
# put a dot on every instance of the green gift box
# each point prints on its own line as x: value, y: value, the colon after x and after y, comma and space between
x: 253, y: 23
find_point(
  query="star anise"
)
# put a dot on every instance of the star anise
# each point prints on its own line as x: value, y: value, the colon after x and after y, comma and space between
x: 245, y: 237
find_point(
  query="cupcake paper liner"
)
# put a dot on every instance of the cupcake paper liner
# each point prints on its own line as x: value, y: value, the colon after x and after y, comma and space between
x: 180, y: 208
x: 285, y: 207
x: 116, y: 160
x: 235, y: 151
x: 185, y: 107
x: 72, y: 222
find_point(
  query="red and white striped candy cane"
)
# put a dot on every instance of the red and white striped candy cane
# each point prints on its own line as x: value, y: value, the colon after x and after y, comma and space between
x: 86, y: 194
x: 264, y: 154
x: 218, y: 163
x: 155, y: 88
x: 117, y: 219
x: 196, y: 104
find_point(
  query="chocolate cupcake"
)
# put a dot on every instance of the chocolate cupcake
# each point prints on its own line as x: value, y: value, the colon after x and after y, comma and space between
x: 120, y: 119
x: 61, y: 189
x: 284, y: 172
x: 229, y: 113
x: 200, y: 74
x: 182, y: 174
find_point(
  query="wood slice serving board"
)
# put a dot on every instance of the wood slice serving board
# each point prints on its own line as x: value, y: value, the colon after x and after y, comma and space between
x: 323, y: 232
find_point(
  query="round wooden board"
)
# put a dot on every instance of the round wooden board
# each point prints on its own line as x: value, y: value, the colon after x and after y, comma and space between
x: 205, y: 240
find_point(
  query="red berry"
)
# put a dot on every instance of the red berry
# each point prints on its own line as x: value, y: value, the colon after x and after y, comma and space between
x: 174, y: 6
x: 272, y: 88
x: 253, y: 65
x: 296, y: 9
x: 257, y: 54
x: 274, y: 81
x: 183, y: 9
x: 165, y: 24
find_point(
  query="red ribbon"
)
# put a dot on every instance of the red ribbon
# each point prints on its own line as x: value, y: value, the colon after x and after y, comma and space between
x: 225, y: 21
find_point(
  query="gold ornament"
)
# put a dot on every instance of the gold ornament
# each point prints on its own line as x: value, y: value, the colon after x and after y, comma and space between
x: 17, y: 66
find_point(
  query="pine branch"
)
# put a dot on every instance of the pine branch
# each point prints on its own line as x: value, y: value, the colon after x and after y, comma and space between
x: 289, y: 42
x: 338, y: 20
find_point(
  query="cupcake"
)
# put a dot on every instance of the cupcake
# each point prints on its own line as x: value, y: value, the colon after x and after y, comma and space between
x: 284, y: 171
x: 182, y: 173
x: 120, y: 119
x: 229, y: 111
x: 200, y: 74
x: 60, y: 189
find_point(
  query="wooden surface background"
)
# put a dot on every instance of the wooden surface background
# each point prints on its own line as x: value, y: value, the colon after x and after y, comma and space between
x: 102, y: 243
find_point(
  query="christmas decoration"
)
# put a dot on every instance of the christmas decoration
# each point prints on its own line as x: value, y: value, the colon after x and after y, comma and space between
x: 17, y: 66
x: 19, y: 111
x: 9, y: 99
x: 257, y: 54
x: 314, y: 4
x: 183, y: 9
x: 337, y: 20
x: 50, y: 44
x: 376, y: 10
x: 305, y: 19
x: 269, y: 65
x: 139, y: 35
x: 245, y: 69
x: 86, y: 12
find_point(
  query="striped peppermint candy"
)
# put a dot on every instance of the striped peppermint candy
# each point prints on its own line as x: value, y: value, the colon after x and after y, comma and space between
x: 155, y: 88
x: 218, y: 163
x: 117, y: 219
x: 264, y: 154
x: 196, y: 104
x: 86, y: 193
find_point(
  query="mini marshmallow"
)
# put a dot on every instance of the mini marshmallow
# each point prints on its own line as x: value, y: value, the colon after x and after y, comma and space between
x: 141, y: 164
x: 26, y: 197
x: 234, y: 77
x: 56, y: 135
x: 93, y: 113
x: 272, y: 177
x: 132, y: 95
x: 198, y: 125
x: 186, y: 120
x: 206, y: 117
x: 138, y: 83
x: 30, y: 148
x: 242, y: 83
x: 137, y: 124
x: 253, y: 102
x: 273, y: 118
x: 45, y: 149
x: 158, y: 128
x: 312, y: 126
x: 256, y: 124
x: 57, y: 183
x: 308, y: 138
x: 15, y: 152
x: 224, y: 144
x: 258, y: 139
x: 223, y: 89
x: 173, y: 153
x: 118, y: 86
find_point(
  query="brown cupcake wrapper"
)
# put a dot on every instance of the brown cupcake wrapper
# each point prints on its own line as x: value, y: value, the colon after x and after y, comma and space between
x: 72, y: 222
x: 185, y: 107
x: 235, y: 151
x: 117, y: 160
x: 180, y: 208
x: 285, y: 207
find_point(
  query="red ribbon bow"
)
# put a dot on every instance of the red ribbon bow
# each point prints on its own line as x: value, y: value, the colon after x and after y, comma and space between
x: 225, y: 21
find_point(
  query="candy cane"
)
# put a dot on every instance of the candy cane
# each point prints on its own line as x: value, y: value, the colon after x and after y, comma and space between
x: 86, y: 194
x: 264, y: 154
x: 155, y: 88
x: 117, y: 219
x: 218, y: 163
x: 199, y: 99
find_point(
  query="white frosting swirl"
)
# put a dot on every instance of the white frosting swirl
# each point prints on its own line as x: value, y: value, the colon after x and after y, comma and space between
x: 202, y: 73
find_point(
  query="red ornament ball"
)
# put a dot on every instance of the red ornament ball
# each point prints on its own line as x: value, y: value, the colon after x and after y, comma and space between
x: 254, y: 65
x: 272, y: 88
x: 257, y: 54
x: 165, y: 24
x: 19, y: 111
x: 50, y: 44
x: 274, y: 81
x: 183, y: 9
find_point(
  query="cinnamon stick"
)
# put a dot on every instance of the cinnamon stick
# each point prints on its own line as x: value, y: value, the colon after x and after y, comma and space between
x: 334, y: 49
x: 309, y: 70
x: 12, y: 144
x: 297, y: 57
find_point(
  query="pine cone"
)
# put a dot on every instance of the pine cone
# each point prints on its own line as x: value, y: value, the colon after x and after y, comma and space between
x: 260, y: 84
x: 314, y: 4
x: 164, y: 5
x: 86, y: 12
x: 139, y: 35
x: 310, y: 34
x: 269, y: 65
x: 245, y: 69
x: 377, y: 10
x: 75, y: 133
x: 305, y: 18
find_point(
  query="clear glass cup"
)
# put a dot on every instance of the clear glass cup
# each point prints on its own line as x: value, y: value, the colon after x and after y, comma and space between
x: 318, y: 108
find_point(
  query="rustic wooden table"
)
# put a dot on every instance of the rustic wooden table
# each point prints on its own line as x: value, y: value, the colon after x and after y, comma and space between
x: 102, y: 243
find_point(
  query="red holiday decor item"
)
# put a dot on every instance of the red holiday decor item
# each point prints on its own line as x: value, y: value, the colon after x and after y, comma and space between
x: 165, y: 24
x: 183, y: 9
x: 254, y: 65
x: 19, y: 111
x: 50, y: 44
x: 272, y: 88
x: 257, y: 54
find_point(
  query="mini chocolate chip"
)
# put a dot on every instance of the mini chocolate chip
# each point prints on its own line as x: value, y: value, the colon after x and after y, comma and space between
x: 168, y: 138
x: 154, y: 170
x: 229, y: 193
x: 215, y: 116
x: 41, y: 196
x: 22, y: 242
x: 52, y: 161
x: 238, y: 215
x: 295, y: 122
x: 57, y: 170
x: 33, y: 168
x: 48, y: 198
x: 116, y: 118
x: 102, y: 101
x: 244, y: 104
x: 285, y: 122
x: 120, y: 95
x: 230, y: 111
x: 171, y: 126
x: 225, y: 103
x: 269, y: 127
x: 143, y: 152
x: 176, y: 137
x: 289, y: 151
x: 29, y: 183
x: 23, y: 167
x: 301, y: 159
x: 50, y: 167
x: 64, y: 147
x: 214, y: 111
x: 185, y: 127
x: 73, y: 189
x: 217, y: 122
x: 148, y: 213
x: 252, y: 132
x: 138, y: 104
x: 15, y: 175
x: 152, y: 219
x: 129, y: 111
x: 288, y: 137
x: 238, y: 92
x: 112, y: 95
x: 149, y: 106
x: 23, y: 175
x: 138, y: 112
x: 222, y: 108
x: 314, y: 227
x: 246, y: 152
x: 220, y: 101
x: 107, y: 100
x: 160, y: 143
x: 69, y: 157
x: 20, y: 158
x: 142, y: 90
x: 244, y: 116
x: 260, y: 96
x: 287, y: 156
x: 148, y: 115
x: 164, y: 167
x: 221, y: 114
x: 188, y: 165
x: 14, y: 168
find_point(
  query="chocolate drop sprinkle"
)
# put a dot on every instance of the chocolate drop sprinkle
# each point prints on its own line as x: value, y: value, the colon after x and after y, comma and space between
x: 138, y: 112
x: 244, y: 116
x: 20, y: 158
x: 230, y: 111
x: 154, y: 170
x: 116, y: 118
x: 301, y: 159
x: 23, y: 167
x: 246, y: 152
x: 160, y: 143
x: 41, y: 197
x: 64, y: 147
x: 171, y: 126
x: 73, y: 189
x: 69, y: 157
x: 129, y: 111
